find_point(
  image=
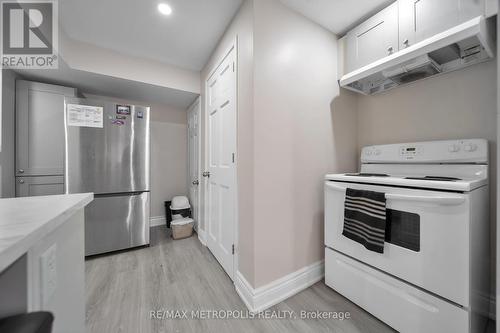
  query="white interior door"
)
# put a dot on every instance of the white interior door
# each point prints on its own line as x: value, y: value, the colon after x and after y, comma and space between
x: 194, y: 159
x: 221, y: 155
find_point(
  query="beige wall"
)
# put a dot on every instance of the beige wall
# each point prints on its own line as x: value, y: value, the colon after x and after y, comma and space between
x: 456, y: 105
x: 168, y: 152
x: 242, y: 28
x: 293, y: 128
x: 168, y: 164
x: 301, y: 134
x: 460, y: 104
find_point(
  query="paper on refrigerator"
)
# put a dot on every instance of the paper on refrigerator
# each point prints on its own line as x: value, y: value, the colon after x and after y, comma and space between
x: 84, y: 115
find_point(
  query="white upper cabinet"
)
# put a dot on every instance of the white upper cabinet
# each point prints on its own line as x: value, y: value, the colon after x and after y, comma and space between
x: 373, y: 39
x: 421, y: 19
x: 405, y: 23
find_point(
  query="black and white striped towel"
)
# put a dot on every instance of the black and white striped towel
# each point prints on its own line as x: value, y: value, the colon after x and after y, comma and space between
x: 364, y: 218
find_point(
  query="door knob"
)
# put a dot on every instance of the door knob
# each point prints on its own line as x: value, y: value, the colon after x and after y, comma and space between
x: 21, y: 181
x: 21, y: 170
x: 206, y: 174
x: 196, y: 182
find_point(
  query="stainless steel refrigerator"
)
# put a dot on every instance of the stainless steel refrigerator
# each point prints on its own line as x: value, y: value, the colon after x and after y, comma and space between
x: 108, y: 153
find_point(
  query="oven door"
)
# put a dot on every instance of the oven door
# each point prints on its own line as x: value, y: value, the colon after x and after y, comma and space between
x: 427, y: 237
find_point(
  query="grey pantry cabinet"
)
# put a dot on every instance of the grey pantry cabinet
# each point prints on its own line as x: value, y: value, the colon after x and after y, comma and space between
x: 403, y: 24
x: 41, y: 185
x: 40, y: 137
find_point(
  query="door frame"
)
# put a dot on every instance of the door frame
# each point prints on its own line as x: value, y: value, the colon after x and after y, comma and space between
x: 233, y: 45
x: 196, y: 107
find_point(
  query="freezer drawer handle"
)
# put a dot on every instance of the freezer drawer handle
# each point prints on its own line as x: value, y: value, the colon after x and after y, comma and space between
x: 438, y: 200
x: 118, y: 194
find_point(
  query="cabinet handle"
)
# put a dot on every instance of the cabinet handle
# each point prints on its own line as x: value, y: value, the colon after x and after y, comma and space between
x: 21, y: 170
x: 21, y: 181
x: 196, y: 182
x: 390, y: 49
x: 206, y: 174
x: 406, y: 43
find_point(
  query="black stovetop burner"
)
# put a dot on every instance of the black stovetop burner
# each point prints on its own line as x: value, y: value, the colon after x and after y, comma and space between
x: 363, y: 174
x: 435, y: 178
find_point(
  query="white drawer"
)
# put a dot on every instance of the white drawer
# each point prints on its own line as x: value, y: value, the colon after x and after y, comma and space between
x: 401, y: 306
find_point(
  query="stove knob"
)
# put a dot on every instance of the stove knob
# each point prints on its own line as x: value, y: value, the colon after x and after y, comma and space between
x: 378, y: 152
x: 470, y: 147
x: 454, y: 148
x: 368, y: 152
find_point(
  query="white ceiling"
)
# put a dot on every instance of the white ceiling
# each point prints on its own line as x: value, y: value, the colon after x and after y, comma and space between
x: 185, y: 39
x: 188, y: 36
x: 135, y: 27
x: 338, y: 16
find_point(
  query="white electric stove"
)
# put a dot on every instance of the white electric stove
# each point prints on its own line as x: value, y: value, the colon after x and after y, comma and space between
x: 434, y: 273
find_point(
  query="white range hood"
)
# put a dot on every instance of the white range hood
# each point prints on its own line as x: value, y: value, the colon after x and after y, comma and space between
x: 466, y: 44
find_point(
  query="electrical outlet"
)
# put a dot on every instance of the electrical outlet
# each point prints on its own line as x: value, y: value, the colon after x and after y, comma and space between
x: 48, y: 274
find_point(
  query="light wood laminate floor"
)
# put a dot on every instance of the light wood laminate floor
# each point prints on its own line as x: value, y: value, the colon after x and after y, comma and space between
x: 123, y: 288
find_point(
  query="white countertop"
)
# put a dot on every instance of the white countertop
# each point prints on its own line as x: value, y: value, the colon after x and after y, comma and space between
x: 24, y: 221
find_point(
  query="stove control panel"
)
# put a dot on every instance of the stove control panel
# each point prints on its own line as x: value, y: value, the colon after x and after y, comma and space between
x: 454, y: 148
x: 410, y: 152
x: 446, y: 151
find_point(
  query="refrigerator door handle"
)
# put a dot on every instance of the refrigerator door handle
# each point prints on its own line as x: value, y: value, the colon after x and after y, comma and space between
x: 121, y: 194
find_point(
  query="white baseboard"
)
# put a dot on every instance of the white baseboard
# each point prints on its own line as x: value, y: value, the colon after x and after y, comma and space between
x: 157, y: 221
x: 277, y: 291
x: 201, y: 236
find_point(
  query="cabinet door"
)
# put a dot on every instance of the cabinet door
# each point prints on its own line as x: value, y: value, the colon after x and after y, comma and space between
x: 374, y: 39
x: 37, y: 186
x: 421, y: 19
x: 40, y: 128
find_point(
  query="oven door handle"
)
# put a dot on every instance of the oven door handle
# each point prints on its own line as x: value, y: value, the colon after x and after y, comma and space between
x: 437, y: 200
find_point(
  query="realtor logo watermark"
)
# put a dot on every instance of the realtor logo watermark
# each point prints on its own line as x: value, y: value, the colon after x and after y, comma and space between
x: 29, y: 34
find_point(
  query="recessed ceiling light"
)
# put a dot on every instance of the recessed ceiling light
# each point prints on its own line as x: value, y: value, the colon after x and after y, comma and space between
x: 164, y: 9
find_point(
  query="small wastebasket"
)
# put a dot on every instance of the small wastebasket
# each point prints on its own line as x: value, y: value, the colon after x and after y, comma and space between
x: 178, y: 208
x: 182, y: 228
